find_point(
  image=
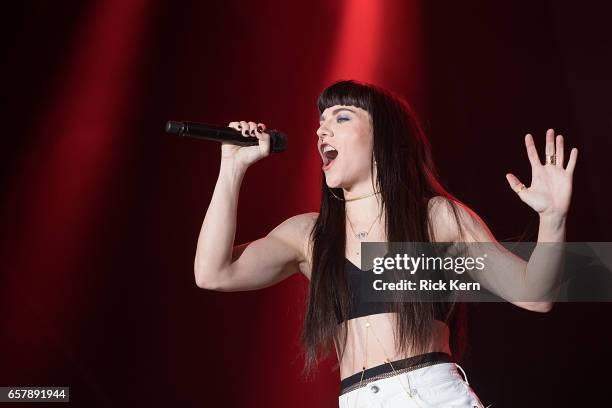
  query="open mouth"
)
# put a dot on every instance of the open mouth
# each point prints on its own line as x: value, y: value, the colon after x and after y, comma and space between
x: 329, y: 154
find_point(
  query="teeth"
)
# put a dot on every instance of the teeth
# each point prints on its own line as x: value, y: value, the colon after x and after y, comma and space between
x: 328, y: 148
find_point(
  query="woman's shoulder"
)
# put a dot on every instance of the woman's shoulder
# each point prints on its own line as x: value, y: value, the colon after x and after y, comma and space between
x: 303, y: 222
x: 443, y: 218
x: 455, y: 221
x: 298, y: 229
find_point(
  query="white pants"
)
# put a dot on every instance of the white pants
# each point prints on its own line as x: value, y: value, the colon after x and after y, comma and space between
x: 438, y: 385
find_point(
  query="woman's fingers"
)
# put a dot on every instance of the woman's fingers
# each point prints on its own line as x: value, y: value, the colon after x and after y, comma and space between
x: 571, y: 163
x: 252, y: 128
x: 559, y: 154
x: 550, y: 143
x: 532, y: 152
x: 244, y: 128
x: 515, y: 183
x: 248, y: 128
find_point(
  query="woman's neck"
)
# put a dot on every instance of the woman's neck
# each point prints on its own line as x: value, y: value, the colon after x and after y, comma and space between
x: 364, y: 210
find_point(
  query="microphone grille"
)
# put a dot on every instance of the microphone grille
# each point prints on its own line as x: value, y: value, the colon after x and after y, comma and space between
x: 278, y: 142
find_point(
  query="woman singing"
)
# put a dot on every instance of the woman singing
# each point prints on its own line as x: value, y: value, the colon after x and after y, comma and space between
x: 379, y: 185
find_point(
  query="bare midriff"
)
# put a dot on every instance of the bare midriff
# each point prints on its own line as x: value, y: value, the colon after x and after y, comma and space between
x: 380, y: 343
x: 380, y: 339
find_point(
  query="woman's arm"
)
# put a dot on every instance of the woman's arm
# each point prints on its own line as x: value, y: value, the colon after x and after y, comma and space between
x: 219, y: 265
x: 263, y: 262
x: 507, y: 275
x: 216, y: 239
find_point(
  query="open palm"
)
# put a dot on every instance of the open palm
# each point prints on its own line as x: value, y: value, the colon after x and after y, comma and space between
x: 551, y: 184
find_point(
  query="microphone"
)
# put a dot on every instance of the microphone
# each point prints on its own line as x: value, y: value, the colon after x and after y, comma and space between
x: 278, y: 140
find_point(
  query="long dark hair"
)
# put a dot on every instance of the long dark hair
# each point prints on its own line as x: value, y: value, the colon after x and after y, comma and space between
x: 407, y: 180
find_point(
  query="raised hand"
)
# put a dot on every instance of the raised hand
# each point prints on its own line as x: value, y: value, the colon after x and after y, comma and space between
x: 550, y: 190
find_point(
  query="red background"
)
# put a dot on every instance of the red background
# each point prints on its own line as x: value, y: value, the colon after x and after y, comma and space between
x: 101, y: 210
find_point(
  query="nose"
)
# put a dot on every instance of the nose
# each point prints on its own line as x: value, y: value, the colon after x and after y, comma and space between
x: 323, y: 132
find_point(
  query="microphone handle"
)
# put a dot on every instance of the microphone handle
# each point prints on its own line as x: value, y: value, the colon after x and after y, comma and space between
x: 278, y: 141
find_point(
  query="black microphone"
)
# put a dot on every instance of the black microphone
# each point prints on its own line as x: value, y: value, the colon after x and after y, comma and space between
x: 278, y: 140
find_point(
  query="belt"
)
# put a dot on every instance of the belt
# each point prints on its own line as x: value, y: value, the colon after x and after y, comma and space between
x: 386, y: 370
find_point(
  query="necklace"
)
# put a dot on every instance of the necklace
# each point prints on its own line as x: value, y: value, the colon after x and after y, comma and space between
x: 352, y: 199
x: 361, y: 235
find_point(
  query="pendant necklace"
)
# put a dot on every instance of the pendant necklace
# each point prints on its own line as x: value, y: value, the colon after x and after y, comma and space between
x: 361, y: 235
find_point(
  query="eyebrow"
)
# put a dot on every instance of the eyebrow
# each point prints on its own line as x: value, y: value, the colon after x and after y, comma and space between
x: 335, y: 111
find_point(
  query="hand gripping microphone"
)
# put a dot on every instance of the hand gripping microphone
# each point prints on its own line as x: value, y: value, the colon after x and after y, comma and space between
x: 278, y: 140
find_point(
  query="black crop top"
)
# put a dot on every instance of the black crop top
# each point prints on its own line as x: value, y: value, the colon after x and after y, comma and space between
x: 360, y: 308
